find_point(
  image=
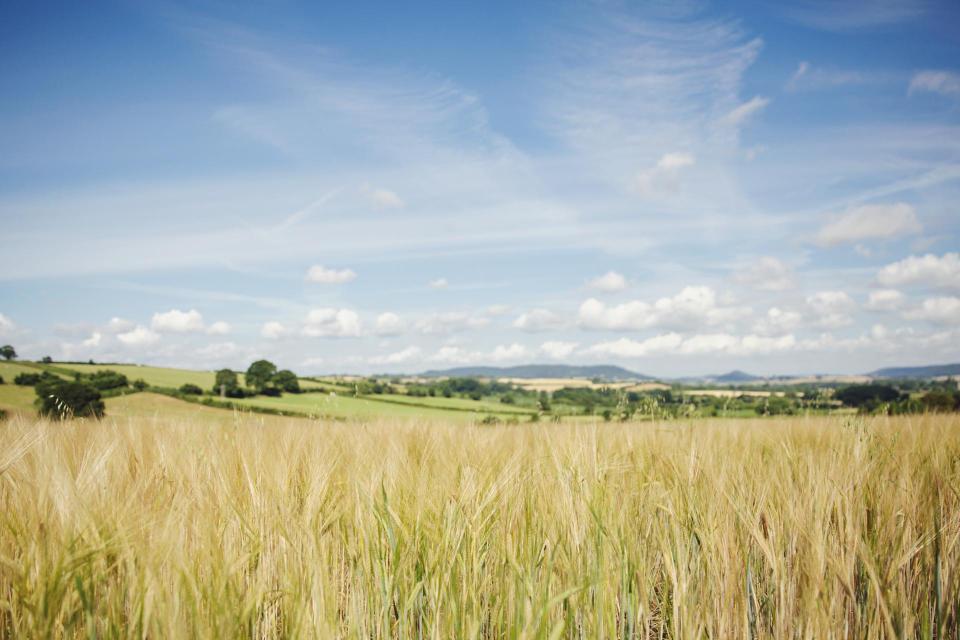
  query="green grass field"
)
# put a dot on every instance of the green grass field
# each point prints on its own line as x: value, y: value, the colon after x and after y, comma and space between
x: 456, y: 404
x: 17, y: 398
x: 340, y: 406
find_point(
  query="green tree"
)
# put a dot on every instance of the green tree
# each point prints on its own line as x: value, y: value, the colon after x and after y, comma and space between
x: 60, y: 399
x: 47, y: 360
x: 191, y: 389
x: 260, y: 374
x: 226, y: 380
x: 140, y: 384
x: 286, y: 380
x: 8, y: 352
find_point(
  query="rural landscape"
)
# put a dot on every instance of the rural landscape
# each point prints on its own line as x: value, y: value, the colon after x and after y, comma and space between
x: 507, y: 320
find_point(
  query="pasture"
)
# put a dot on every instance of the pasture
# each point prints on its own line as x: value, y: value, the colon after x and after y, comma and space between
x: 212, y: 524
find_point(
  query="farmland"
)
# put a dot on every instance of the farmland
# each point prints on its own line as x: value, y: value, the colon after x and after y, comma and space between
x: 164, y: 522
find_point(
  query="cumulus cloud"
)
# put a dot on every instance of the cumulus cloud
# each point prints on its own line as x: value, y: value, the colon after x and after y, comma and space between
x: 388, y: 324
x: 449, y: 322
x: 273, y: 330
x: 778, y: 321
x: 664, y: 176
x: 740, y: 114
x: 885, y: 300
x: 138, y: 336
x: 219, y: 328
x: 766, y: 274
x: 944, y: 310
x: 384, y: 198
x: 94, y: 340
x: 692, y: 306
x: 332, y: 323
x: 439, y: 283
x: 508, y: 352
x: 831, y: 308
x: 176, y: 321
x: 943, y: 82
x: 928, y: 270
x: 698, y: 344
x: 322, y: 275
x: 7, y: 325
x: 538, y: 320
x: 558, y: 349
x: 870, y: 222
x: 398, y: 357
x: 609, y: 282
x: 118, y: 325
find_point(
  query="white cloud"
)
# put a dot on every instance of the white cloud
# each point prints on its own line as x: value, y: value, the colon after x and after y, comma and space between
x: 94, y: 340
x: 219, y: 350
x: 944, y: 310
x: 692, y: 306
x: 885, y: 300
x: 505, y: 353
x: 943, y: 82
x: 766, y: 274
x: 219, y: 328
x: 609, y: 282
x: 453, y: 355
x: 778, y: 321
x: 538, y: 320
x: 449, y: 322
x: 664, y: 176
x: 385, y: 199
x: 176, y: 321
x: 273, y: 330
x: 740, y: 114
x: 869, y: 222
x: 332, y: 323
x: 831, y: 308
x: 698, y: 344
x: 6, y: 325
x: 322, y: 275
x: 388, y: 324
x: 558, y: 349
x: 498, y: 310
x: 139, y: 336
x: 806, y: 77
x: 928, y: 270
x: 118, y: 325
x: 439, y: 283
x: 398, y: 357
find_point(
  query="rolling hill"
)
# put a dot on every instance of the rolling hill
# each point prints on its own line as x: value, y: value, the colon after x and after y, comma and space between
x: 931, y: 371
x: 606, y: 372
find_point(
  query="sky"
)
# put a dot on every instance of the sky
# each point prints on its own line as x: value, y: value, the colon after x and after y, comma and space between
x: 373, y: 187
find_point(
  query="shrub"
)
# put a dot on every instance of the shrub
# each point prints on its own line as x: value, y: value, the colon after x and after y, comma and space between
x: 286, y: 380
x: 1, y: 380
x: 191, y: 389
x: 107, y: 379
x: 60, y: 399
x: 866, y: 395
x: 140, y: 384
x: 26, y: 379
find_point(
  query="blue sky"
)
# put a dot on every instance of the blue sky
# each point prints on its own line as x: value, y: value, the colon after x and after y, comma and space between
x: 391, y: 187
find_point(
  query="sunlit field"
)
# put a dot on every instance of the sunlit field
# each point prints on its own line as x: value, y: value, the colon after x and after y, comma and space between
x: 176, y: 526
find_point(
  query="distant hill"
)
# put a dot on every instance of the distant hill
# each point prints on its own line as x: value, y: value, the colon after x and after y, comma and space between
x: 605, y: 371
x: 735, y: 376
x: 930, y: 371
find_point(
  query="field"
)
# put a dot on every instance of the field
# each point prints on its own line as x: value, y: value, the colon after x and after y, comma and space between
x: 161, y: 376
x: 164, y: 522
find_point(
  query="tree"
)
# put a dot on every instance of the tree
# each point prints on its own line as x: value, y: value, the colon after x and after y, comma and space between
x: 60, y: 399
x: 227, y: 381
x: 191, y: 389
x: 286, y: 380
x: 259, y: 375
x: 106, y: 379
x: 8, y: 352
x: 140, y: 384
x: 47, y: 360
x: 859, y: 395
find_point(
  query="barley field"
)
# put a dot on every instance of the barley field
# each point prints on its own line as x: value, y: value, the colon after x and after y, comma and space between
x: 264, y: 527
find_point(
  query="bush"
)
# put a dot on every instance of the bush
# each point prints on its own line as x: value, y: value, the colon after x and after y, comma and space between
x: 286, y: 380
x: 60, y: 399
x: 107, y: 379
x: 866, y: 395
x: 1, y: 380
x: 140, y: 384
x: 26, y: 379
x: 227, y: 381
x: 191, y: 389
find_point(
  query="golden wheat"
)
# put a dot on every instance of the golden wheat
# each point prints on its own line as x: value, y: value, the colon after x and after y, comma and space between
x: 183, y: 528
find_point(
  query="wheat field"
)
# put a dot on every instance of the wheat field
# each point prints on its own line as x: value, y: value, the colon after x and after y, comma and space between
x: 268, y: 527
